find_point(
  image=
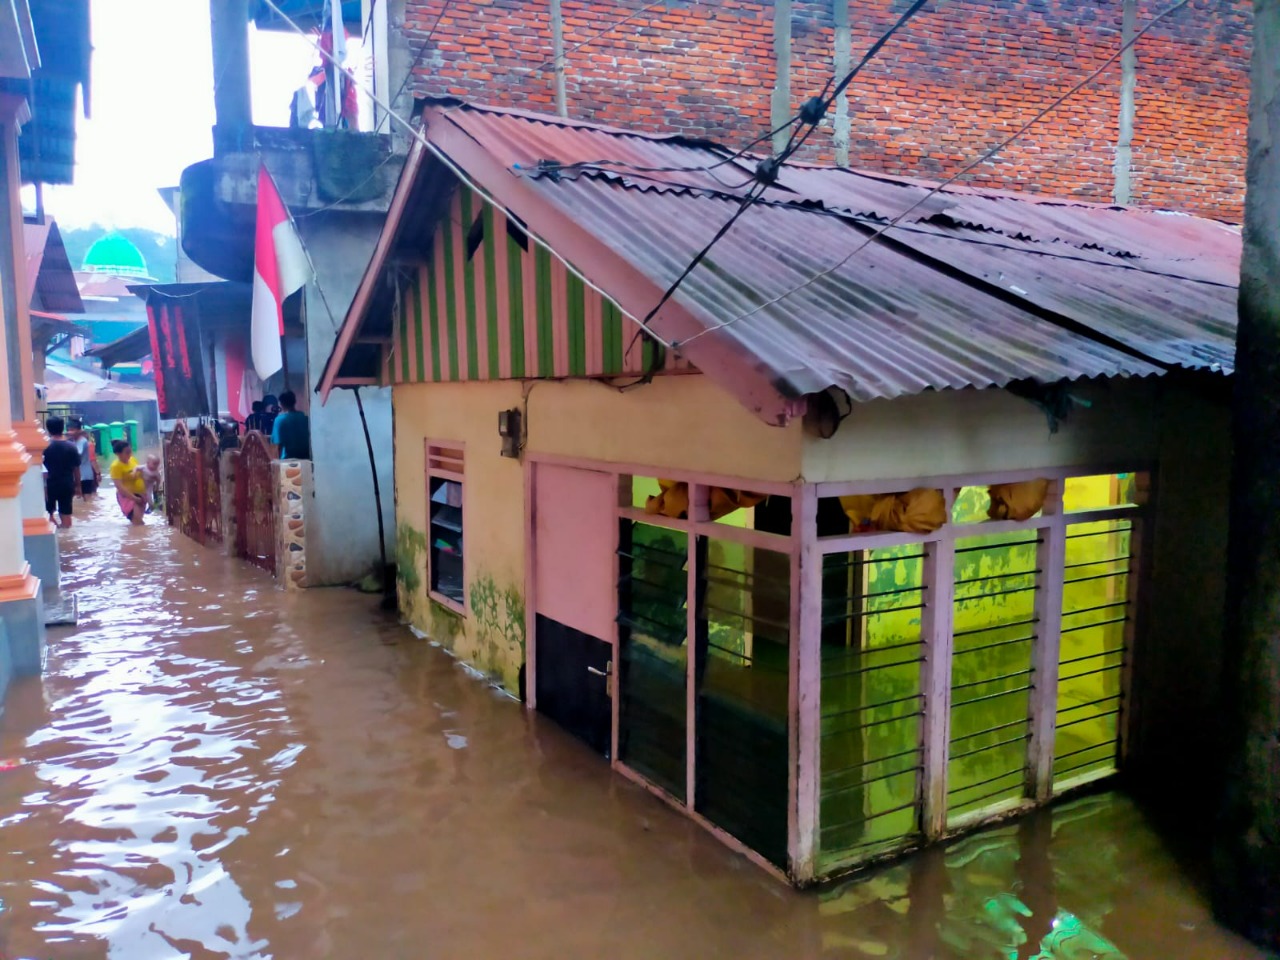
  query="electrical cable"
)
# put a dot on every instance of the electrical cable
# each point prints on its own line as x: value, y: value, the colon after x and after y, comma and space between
x: 804, y: 124
x: 811, y: 113
x: 938, y: 188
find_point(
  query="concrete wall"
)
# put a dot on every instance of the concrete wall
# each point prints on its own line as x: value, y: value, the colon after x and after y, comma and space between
x: 1178, y: 673
x: 342, y: 542
x: 967, y: 431
x: 679, y: 422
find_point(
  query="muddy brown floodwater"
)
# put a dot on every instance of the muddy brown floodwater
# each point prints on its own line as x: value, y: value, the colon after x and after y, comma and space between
x: 213, y: 768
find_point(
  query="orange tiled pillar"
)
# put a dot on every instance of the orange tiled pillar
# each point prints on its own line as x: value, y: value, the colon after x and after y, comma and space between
x: 21, y: 596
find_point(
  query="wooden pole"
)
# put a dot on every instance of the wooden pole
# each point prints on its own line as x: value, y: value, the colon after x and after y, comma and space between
x: 1246, y: 863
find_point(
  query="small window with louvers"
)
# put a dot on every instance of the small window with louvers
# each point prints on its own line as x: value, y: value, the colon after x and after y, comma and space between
x: 445, y: 518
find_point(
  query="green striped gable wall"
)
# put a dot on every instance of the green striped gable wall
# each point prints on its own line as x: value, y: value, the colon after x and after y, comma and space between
x: 483, y: 307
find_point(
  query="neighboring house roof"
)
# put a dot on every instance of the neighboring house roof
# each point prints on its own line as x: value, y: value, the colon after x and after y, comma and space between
x: 132, y: 346
x: 51, y: 283
x: 65, y: 383
x: 973, y: 288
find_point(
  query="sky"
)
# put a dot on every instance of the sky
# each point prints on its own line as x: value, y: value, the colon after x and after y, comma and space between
x: 152, y: 108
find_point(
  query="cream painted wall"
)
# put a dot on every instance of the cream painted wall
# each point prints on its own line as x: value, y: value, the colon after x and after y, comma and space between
x: 971, y: 431
x: 680, y: 423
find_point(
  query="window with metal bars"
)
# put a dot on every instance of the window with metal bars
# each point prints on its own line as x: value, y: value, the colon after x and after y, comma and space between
x: 1096, y: 613
x: 743, y: 692
x: 653, y: 593
x: 993, y: 634
x: 872, y: 704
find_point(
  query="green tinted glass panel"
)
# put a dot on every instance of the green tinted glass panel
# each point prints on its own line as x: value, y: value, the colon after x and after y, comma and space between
x: 994, y: 630
x: 872, y: 651
x: 744, y: 640
x: 1095, y: 617
x: 653, y: 592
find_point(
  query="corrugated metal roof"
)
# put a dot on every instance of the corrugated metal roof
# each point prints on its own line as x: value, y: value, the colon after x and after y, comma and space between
x: 883, y: 325
x: 69, y: 384
x: 977, y: 288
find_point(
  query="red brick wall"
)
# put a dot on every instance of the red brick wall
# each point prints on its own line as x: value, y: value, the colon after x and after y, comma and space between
x: 963, y: 75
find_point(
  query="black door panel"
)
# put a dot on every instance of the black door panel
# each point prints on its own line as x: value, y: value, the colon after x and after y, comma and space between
x: 573, y: 682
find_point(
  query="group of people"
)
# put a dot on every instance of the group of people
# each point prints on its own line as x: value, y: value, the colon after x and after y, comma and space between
x: 71, y: 470
x: 71, y: 463
x: 282, y: 421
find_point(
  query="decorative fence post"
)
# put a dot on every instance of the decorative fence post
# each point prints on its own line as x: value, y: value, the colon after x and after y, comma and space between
x: 256, y: 495
x: 228, y: 467
x: 293, y: 493
x: 183, y: 486
x: 208, y: 463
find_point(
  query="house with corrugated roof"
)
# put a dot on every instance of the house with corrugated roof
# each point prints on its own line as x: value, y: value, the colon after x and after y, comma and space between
x: 905, y: 512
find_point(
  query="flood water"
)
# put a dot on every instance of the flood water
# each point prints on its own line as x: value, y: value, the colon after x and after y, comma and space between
x: 213, y: 768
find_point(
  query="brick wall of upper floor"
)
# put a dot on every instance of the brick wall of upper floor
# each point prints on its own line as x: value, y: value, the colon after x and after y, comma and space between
x: 960, y: 77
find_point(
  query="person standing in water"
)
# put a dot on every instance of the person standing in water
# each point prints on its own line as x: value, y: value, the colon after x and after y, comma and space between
x: 131, y: 488
x: 62, y: 468
x: 90, y: 473
x: 291, y: 431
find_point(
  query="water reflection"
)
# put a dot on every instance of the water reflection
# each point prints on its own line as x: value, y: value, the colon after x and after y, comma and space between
x: 213, y: 768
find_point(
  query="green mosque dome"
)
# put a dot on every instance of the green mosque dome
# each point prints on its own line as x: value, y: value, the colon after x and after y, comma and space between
x: 115, y: 254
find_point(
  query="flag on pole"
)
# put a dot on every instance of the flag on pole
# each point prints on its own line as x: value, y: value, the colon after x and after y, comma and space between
x: 280, y: 267
x: 339, y: 31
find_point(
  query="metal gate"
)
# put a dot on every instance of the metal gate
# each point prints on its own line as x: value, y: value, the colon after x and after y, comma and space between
x: 256, y: 503
x: 210, y: 489
x: 183, y: 487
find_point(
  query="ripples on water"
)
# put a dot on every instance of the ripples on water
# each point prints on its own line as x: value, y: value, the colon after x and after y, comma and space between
x: 213, y: 768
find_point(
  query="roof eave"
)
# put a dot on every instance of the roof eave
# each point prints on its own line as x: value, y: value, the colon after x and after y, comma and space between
x: 358, y: 311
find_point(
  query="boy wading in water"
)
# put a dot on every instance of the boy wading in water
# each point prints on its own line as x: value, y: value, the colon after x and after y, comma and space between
x: 62, y: 478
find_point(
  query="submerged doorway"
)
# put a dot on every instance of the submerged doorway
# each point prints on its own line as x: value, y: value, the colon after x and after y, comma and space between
x: 573, y: 530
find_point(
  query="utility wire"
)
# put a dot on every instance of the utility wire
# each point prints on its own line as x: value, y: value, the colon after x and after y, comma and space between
x: 816, y: 108
x: 767, y: 172
x: 938, y: 188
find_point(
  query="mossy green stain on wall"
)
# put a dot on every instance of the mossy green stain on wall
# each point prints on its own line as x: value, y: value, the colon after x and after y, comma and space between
x: 411, y: 558
x: 498, y: 614
x: 445, y: 625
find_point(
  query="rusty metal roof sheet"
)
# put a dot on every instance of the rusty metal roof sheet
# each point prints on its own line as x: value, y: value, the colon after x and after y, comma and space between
x: 974, y: 288
x: 883, y: 325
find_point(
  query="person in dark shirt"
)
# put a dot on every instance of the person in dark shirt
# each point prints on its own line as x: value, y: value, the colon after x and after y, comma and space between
x: 292, y: 432
x: 255, y: 419
x: 62, y: 472
x: 270, y: 410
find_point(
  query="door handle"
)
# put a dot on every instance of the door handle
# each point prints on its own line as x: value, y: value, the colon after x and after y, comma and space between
x: 607, y: 673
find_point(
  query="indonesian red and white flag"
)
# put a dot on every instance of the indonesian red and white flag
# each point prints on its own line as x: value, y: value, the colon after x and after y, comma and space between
x: 280, y: 267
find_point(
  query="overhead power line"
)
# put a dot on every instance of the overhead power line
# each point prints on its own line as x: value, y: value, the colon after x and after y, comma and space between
x: 804, y: 124
x: 938, y: 188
